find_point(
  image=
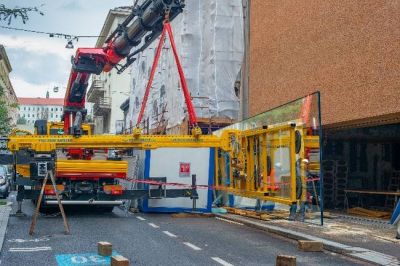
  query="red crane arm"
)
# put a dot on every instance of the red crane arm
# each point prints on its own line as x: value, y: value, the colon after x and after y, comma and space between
x: 140, y: 29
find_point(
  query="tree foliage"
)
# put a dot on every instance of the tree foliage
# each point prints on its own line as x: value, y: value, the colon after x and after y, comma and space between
x: 5, y: 120
x: 8, y: 14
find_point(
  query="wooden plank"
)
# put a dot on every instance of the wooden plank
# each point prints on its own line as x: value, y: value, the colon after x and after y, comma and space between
x: 66, y: 226
x: 36, y: 214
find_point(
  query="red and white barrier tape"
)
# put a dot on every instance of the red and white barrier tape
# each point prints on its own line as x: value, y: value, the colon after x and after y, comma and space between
x: 158, y: 183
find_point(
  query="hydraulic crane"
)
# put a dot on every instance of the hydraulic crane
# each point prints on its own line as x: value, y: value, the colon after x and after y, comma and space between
x: 243, y: 158
x: 80, y: 179
x: 141, y: 28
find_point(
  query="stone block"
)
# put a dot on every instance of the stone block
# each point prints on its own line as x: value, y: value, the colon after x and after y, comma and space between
x: 104, y: 248
x: 310, y: 246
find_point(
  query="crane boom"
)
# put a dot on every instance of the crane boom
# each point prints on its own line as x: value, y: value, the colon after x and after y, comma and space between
x: 140, y: 29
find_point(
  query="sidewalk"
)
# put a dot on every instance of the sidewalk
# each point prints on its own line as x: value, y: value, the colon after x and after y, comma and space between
x: 373, y: 244
x: 4, y: 215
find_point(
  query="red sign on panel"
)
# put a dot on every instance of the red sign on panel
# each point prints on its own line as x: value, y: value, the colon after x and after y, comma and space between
x: 184, y: 169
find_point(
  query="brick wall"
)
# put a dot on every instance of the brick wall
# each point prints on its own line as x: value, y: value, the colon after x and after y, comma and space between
x: 349, y: 50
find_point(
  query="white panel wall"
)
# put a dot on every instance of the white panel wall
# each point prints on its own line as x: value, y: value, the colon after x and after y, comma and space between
x: 166, y: 162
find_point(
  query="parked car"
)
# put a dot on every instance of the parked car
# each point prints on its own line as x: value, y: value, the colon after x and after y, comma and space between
x: 4, y: 181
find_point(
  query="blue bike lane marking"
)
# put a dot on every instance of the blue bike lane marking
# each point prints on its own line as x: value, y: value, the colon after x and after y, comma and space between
x: 85, y: 259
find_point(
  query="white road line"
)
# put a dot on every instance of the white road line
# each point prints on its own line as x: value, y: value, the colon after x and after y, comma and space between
x: 221, y: 261
x: 228, y: 221
x: 191, y: 246
x: 140, y: 218
x: 34, y: 249
x: 154, y: 225
x: 169, y: 234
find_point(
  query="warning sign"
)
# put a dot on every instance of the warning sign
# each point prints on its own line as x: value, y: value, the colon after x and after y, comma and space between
x: 184, y: 169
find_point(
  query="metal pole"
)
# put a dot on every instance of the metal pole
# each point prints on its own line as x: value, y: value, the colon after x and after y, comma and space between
x: 194, y: 193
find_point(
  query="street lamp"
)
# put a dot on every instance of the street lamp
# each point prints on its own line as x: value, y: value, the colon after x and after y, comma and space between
x: 69, y: 45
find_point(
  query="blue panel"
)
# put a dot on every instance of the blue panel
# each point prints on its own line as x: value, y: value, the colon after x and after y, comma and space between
x: 211, y: 172
x: 144, y: 207
x: 396, y: 214
x: 231, y: 200
x: 86, y: 259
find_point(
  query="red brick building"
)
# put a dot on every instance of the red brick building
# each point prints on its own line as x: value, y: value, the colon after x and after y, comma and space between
x: 350, y: 52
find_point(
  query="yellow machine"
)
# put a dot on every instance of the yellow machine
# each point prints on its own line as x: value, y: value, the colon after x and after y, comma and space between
x: 250, y: 155
x: 57, y: 128
x: 247, y: 168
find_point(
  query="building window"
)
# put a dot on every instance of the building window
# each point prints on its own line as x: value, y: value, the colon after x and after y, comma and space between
x: 24, y: 108
x: 29, y: 108
x: 51, y: 109
x: 29, y: 115
x: 56, y: 109
x: 56, y: 116
x: 33, y: 115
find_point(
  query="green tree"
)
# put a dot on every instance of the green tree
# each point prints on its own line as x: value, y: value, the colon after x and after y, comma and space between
x: 8, y: 14
x: 5, y: 126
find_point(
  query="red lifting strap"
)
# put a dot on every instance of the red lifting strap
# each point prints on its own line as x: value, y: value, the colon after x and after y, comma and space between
x: 192, y: 113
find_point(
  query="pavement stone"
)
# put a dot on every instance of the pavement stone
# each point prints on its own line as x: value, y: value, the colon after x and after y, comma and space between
x: 364, y: 254
x: 4, y: 215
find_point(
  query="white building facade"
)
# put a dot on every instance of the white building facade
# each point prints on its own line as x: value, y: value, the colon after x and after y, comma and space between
x: 109, y: 90
x: 32, y: 109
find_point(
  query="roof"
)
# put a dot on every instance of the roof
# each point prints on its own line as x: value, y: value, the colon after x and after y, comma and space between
x: 40, y: 101
x: 119, y: 12
x: 3, y: 56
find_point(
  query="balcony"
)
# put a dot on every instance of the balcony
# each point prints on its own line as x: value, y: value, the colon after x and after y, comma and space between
x: 102, y: 106
x: 96, y: 90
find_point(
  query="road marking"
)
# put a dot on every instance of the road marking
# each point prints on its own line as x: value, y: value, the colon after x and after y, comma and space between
x: 191, y: 246
x: 18, y: 240
x: 154, y: 225
x: 169, y: 234
x: 228, y: 221
x: 83, y: 259
x: 34, y: 249
x: 140, y: 218
x: 221, y: 261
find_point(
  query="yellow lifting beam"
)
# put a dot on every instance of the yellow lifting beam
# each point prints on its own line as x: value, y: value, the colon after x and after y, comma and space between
x: 51, y: 143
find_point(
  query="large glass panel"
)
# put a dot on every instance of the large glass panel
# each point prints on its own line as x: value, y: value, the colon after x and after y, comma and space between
x: 274, y: 159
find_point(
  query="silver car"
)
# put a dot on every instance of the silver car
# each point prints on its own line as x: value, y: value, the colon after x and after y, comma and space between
x: 4, y: 182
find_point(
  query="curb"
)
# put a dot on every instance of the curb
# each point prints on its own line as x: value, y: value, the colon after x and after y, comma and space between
x: 363, y: 254
x: 4, y: 215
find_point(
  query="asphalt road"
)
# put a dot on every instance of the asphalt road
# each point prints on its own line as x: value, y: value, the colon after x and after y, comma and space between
x: 149, y: 239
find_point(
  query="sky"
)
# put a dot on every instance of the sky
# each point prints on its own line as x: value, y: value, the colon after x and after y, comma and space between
x: 39, y: 62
